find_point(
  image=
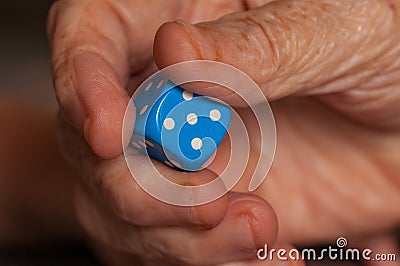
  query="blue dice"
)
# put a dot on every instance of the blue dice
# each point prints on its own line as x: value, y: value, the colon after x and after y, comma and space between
x: 177, y: 127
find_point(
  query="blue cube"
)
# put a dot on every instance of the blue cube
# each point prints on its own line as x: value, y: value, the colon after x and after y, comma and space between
x: 177, y: 127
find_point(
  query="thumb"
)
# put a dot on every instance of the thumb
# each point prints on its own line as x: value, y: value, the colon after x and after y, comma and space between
x: 288, y: 47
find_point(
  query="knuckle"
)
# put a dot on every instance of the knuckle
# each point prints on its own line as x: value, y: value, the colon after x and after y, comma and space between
x: 259, y: 31
x: 134, y: 214
x: 110, y: 181
x: 158, y: 249
x: 60, y: 67
x: 105, y: 182
x: 165, y: 249
x: 63, y: 82
x: 190, y: 254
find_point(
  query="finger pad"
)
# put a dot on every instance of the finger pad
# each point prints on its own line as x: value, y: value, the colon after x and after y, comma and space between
x: 104, y: 101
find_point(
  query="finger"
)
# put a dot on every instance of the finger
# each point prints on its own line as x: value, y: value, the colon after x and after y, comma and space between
x: 128, y: 200
x: 287, y: 47
x: 112, y: 182
x: 96, y: 46
x: 90, y: 66
x: 249, y: 223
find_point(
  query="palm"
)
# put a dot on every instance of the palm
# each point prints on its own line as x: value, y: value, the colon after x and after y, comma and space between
x: 330, y: 175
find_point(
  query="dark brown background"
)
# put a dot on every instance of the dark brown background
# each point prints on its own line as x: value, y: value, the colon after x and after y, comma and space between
x: 25, y: 78
x: 24, y: 53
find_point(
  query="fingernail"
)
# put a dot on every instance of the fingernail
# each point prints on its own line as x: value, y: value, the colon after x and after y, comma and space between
x: 195, y: 220
x: 261, y: 219
x: 200, y: 215
x: 242, y: 215
x: 247, y: 246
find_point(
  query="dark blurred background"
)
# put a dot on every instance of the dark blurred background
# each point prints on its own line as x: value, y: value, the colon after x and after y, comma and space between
x: 24, y: 53
x: 25, y: 79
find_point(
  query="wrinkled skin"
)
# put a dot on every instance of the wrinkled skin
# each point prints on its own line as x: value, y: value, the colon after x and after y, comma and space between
x: 332, y: 72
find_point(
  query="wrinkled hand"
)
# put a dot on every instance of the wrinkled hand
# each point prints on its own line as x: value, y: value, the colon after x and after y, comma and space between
x: 116, y: 211
x: 336, y: 144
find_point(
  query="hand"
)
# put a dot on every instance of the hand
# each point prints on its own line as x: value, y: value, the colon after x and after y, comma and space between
x: 302, y: 55
x: 101, y: 47
x: 98, y: 48
x: 341, y: 138
x: 336, y: 164
x: 115, y: 210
